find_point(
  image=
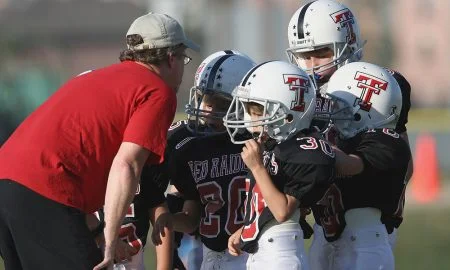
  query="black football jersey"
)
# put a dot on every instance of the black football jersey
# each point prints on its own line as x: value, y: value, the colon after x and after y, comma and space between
x: 405, y: 87
x: 323, y: 106
x: 136, y: 224
x: 210, y: 170
x: 381, y: 184
x: 302, y: 166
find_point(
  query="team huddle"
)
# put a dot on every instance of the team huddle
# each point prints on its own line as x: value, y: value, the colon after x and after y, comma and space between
x: 265, y: 144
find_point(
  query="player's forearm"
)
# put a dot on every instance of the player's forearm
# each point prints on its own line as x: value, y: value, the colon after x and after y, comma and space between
x: 347, y: 164
x: 121, y: 188
x: 164, y: 251
x: 184, y: 222
x: 276, y: 201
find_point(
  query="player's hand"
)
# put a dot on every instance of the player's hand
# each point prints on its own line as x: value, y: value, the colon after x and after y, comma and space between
x: 233, y: 243
x: 108, y: 258
x: 124, y: 252
x: 163, y: 222
x: 252, y: 154
x: 304, y: 211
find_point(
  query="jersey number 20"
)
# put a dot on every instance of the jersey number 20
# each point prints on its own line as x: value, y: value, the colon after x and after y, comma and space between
x: 212, y: 198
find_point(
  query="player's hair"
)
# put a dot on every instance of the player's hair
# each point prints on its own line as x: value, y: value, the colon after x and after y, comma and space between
x: 155, y: 56
x: 255, y: 106
x: 221, y: 101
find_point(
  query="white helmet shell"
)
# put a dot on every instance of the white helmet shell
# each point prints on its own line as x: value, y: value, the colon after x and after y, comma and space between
x: 325, y: 23
x: 218, y: 74
x: 285, y: 91
x: 364, y: 96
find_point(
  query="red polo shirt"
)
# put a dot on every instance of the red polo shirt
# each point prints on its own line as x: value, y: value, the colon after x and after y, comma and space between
x: 65, y: 148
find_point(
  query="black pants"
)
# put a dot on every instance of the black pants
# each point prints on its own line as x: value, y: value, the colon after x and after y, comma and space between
x: 38, y: 233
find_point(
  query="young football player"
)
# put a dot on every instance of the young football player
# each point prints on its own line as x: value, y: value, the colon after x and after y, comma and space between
x: 372, y: 169
x: 323, y: 36
x: 289, y: 166
x: 207, y: 170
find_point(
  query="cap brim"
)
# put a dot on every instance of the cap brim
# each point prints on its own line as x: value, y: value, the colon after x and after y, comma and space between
x: 191, y: 45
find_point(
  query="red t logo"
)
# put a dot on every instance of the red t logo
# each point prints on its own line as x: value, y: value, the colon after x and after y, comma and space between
x: 344, y: 18
x: 369, y: 85
x: 300, y: 85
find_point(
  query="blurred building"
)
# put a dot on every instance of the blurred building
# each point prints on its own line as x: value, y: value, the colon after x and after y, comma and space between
x: 44, y: 42
x: 422, y: 44
x: 69, y: 36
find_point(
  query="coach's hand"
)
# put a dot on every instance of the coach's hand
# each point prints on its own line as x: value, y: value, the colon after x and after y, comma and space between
x: 108, y: 258
x: 124, y: 252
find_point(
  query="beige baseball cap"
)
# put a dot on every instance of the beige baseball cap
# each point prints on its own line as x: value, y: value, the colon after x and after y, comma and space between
x: 159, y: 31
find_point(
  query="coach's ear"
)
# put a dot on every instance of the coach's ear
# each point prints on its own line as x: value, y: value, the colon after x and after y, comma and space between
x: 347, y: 165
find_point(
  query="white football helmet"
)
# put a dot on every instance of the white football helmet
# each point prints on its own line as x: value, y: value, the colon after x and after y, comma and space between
x: 363, y: 96
x: 320, y: 24
x: 217, y: 75
x: 287, y: 95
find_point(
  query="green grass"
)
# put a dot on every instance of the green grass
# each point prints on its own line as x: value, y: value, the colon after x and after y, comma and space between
x: 431, y: 120
x: 424, y: 240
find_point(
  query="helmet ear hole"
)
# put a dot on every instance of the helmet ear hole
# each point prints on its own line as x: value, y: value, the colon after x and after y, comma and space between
x: 289, y: 118
x: 357, y: 117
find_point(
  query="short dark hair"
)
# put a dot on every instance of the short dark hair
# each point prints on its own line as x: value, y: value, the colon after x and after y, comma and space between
x: 155, y: 56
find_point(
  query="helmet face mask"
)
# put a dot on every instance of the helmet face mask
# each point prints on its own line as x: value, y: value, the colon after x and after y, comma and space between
x: 239, y: 117
x: 209, y: 98
x: 199, y: 115
x: 286, y: 98
x: 342, y: 114
x: 197, y: 98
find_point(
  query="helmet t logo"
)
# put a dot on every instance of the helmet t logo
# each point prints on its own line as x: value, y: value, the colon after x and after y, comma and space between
x: 369, y: 85
x: 344, y: 18
x: 300, y: 85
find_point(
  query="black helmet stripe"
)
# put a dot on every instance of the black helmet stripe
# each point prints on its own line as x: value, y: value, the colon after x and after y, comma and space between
x: 301, y: 18
x: 251, y: 72
x: 215, y: 68
x: 228, y: 51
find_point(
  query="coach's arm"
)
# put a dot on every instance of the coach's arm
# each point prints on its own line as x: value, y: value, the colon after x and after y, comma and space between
x: 121, y: 188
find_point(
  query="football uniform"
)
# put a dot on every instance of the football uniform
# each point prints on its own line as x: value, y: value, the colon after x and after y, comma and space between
x: 396, y: 219
x: 210, y: 170
x: 380, y: 186
x: 319, y: 250
x: 302, y: 167
x: 322, y: 109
